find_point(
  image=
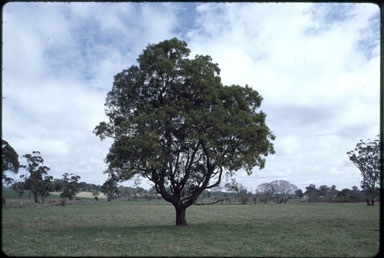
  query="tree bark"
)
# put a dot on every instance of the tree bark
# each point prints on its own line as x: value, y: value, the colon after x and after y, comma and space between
x: 36, y: 198
x: 180, y: 216
x: 370, y: 202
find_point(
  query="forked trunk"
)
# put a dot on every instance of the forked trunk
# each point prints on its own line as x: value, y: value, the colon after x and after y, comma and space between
x: 180, y: 216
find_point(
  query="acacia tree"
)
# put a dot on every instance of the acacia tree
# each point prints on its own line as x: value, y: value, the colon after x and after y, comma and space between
x: 174, y: 123
x: 366, y: 157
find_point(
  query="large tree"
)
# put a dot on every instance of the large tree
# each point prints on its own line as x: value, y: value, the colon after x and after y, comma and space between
x: 174, y: 123
x: 366, y: 157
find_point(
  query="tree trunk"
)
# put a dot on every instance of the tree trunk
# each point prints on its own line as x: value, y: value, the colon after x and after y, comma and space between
x: 180, y: 216
x: 370, y: 202
x: 36, y: 198
x: 370, y: 197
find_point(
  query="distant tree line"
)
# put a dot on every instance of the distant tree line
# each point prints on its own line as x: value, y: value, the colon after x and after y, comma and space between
x: 365, y: 157
x: 36, y: 180
x: 325, y: 193
x: 39, y: 184
x: 86, y: 187
x: 280, y: 191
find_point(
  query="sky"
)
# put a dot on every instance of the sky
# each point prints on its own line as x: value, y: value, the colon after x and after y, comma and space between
x: 316, y: 66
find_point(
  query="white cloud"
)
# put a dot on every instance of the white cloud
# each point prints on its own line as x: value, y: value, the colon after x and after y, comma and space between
x: 319, y: 83
x: 58, y: 66
x: 313, y: 84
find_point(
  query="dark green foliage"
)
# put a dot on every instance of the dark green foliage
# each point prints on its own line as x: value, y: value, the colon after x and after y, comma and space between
x: 348, y: 194
x: 366, y: 157
x: 312, y: 193
x: 9, y: 161
x: 174, y: 123
x: 89, y: 187
x: 37, y: 182
x: 19, y: 188
x: 70, y: 186
x: 299, y: 193
x: 109, y: 188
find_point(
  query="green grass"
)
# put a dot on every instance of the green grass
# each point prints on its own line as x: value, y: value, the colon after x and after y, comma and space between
x: 142, y: 228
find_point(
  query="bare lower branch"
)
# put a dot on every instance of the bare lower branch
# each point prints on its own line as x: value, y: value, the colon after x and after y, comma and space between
x: 209, y: 203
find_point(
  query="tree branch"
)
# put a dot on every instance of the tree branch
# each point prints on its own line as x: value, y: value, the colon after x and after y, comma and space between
x: 209, y: 203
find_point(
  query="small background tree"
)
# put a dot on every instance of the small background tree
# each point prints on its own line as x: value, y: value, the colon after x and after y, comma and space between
x: 36, y: 181
x: 242, y: 194
x: 264, y: 191
x: 70, y: 186
x: 282, y: 190
x: 312, y: 193
x: 299, y: 193
x: 366, y: 157
x: 95, y: 193
x: 109, y: 188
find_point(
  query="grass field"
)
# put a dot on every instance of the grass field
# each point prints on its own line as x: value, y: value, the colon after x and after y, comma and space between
x: 9, y: 194
x: 146, y: 228
x: 13, y: 200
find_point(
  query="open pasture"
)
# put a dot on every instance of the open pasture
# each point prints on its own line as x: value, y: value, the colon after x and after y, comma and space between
x: 146, y: 228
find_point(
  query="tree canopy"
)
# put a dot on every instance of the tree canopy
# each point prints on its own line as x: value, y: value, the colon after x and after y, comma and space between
x: 174, y: 123
x: 9, y: 161
x: 70, y: 186
x: 37, y: 182
x: 366, y: 157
